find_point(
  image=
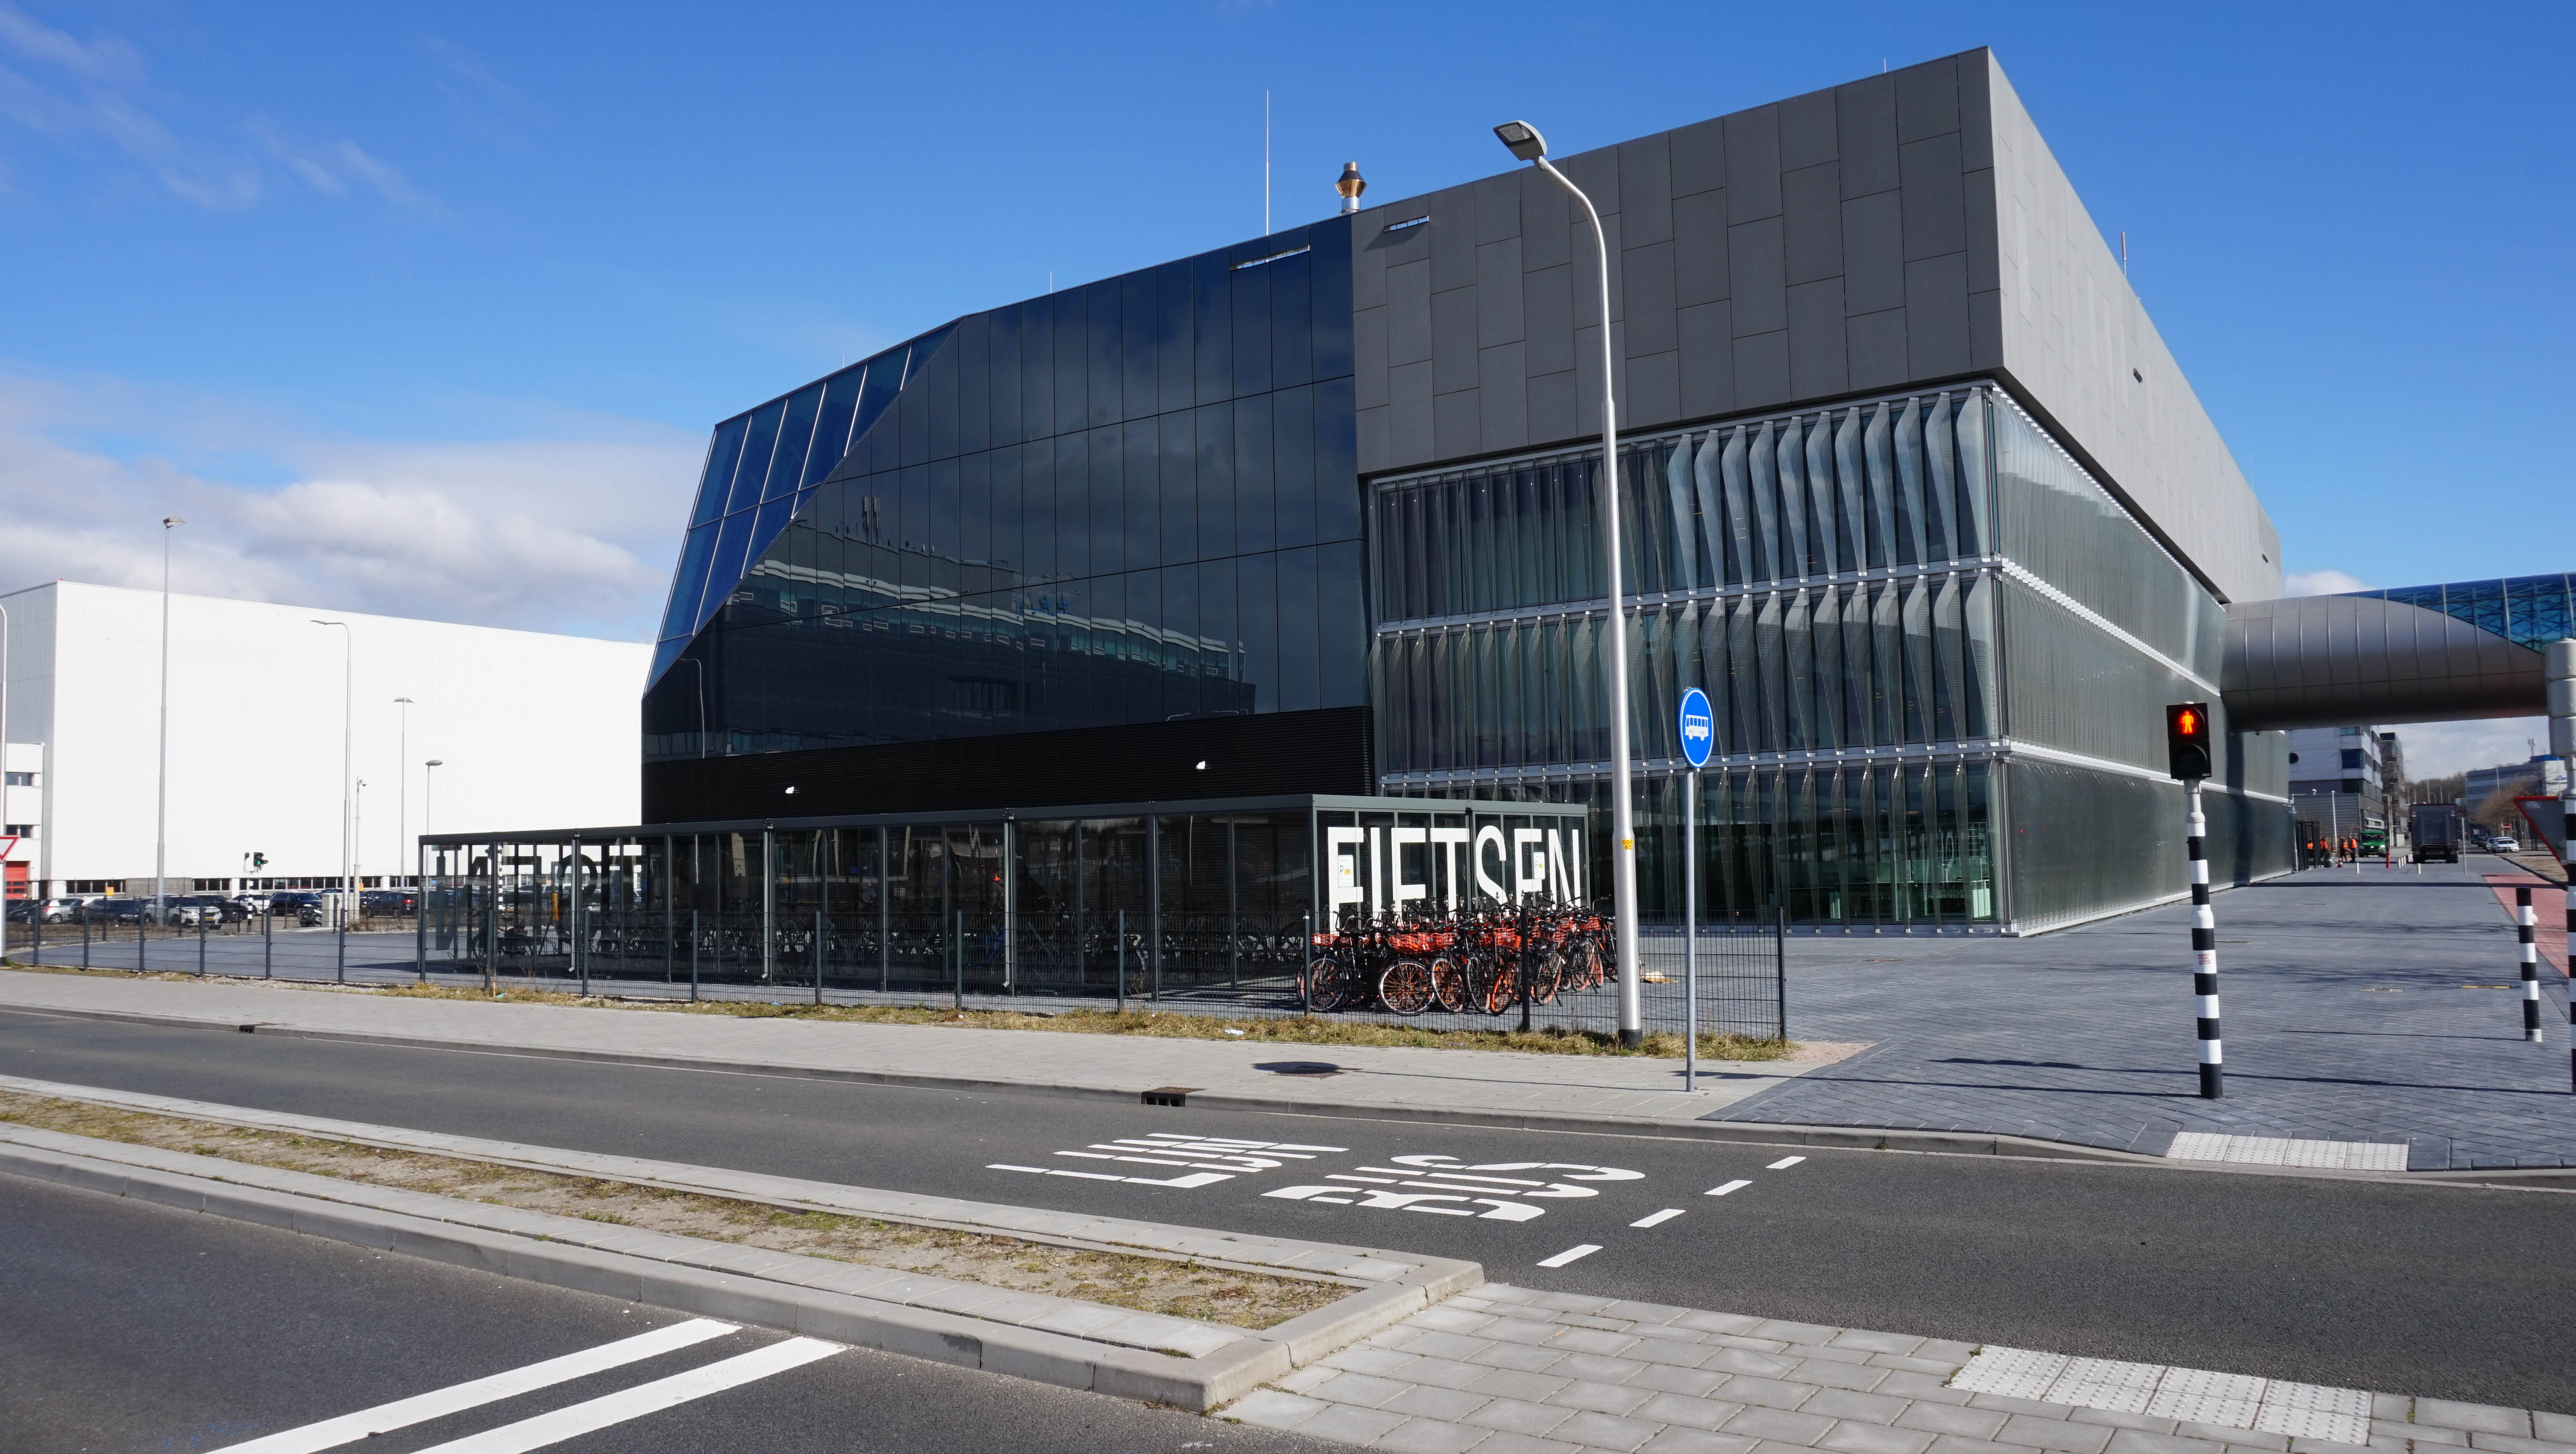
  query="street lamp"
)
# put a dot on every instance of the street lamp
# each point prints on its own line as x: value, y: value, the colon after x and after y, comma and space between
x: 1524, y: 142
x: 161, y: 791
x: 348, y: 732
x: 402, y: 780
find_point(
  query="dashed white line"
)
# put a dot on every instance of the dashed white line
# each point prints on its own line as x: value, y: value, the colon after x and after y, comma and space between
x: 1570, y: 1254
x: 403, y: 1413
x: 1784, y: 1163
x: 1657, y: 1218
x: 1719, y: 1191
x: 644, y: 1398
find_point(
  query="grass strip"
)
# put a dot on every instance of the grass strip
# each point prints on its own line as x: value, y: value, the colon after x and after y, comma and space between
x: 1147, y: 1284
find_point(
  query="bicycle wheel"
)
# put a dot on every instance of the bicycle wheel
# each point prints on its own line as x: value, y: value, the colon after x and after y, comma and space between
x: 1449, y: 985
x: 1547, y: 977
x: 1406, y: 987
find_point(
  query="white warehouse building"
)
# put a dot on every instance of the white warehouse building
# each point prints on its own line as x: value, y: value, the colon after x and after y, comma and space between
x: 524, y: 727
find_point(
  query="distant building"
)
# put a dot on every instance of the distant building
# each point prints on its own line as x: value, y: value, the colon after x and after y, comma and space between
x: 2538, y: 776
x: 2344, y: 764
x: 255, y: 708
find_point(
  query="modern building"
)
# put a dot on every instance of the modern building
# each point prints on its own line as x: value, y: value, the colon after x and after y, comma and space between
x: 2342, y: 763
x: 1909, y: 485
x: 521, y: 724
x: 2538, y: 777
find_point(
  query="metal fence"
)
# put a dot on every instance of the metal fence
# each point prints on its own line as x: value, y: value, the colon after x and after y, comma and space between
x: 373, y: 949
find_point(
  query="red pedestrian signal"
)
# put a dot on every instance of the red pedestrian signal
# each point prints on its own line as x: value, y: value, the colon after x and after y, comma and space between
x: 2187, y: 750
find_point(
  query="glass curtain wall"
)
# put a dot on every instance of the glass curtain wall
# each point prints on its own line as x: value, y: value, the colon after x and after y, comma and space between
x: 1133, y: 501
x: 1882, y: 600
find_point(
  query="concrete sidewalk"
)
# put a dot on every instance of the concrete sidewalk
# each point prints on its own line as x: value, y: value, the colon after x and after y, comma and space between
x: 2377, y: 1006
x: 1488, y: 1085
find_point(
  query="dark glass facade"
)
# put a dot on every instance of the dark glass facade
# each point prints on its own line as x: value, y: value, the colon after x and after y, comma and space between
x: 1131, y: 502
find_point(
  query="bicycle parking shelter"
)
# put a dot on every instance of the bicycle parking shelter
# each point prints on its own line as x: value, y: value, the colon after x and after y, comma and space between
x: 1072, y: 900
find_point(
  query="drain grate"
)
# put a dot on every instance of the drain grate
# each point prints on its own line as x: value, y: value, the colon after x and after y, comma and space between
x: 1169, y: 1095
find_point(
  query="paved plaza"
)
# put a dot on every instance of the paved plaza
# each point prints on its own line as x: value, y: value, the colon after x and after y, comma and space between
x: 2378, y: 1005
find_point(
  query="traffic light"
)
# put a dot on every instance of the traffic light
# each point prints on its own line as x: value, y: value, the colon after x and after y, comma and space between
x: 2187, y: 754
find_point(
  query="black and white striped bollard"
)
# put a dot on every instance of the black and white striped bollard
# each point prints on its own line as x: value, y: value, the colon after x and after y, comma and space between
x: 2526, y: 928
x: 2204, y: 952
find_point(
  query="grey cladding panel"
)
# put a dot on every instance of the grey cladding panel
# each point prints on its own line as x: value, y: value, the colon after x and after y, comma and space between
x: 1498, y: 293
x: 1453, y: 238
x: 1647, y: 296
x: 1812, y: 223
x: 1807, y: 130
x: 1927, y: 99
x: 1707, y: 362
x: 1651, y: 394
x: 1876, y: 348
x: 1816, y: 342
x: 1699, y: 248
x: 1502, y: 395
x: 1699, y: 158
x: 1937, y: 339
x: 1936, y: 219
x: 1759, y: 274
x: 1547, y: 301
x: 1865, y: 123
x: 1453, y: 340
x: 1498, y: 207
x: 1408, y: 313
x: 1874, y: 252
x: 1753, y: 164
x: 1646, y: 191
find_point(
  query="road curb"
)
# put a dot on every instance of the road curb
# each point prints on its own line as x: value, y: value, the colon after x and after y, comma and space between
x: 1198, y: 1383
x: 1860, y: 1138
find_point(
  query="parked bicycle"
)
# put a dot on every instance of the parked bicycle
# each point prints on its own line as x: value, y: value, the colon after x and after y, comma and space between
x: 1484, y: 959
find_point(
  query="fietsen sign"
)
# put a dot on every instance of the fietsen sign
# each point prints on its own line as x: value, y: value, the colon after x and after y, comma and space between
x: 1698, y: 727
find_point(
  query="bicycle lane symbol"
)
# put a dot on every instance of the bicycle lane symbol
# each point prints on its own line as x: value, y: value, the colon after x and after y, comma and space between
x: 1442, y: 1186
x: 1201, y: 1160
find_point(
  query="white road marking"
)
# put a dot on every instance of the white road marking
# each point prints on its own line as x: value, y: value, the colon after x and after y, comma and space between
x: 1784, y: 1163
x: 644, y: 1398
x: 1719, y: 1191
x: 402, y: 1413
x: 1657, y: 1218
x: 1570, y: 1254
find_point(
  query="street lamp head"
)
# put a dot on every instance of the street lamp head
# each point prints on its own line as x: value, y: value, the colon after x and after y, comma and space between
x: 433, y: 762
x: 171, y: 521
x: 406, y: 701
x: 1523, y: 139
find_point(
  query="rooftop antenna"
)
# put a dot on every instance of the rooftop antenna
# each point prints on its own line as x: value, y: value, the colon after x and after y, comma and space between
x: 1265, y: 163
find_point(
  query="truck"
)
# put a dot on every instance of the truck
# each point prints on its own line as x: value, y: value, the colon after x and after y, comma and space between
x: 2437, y: 829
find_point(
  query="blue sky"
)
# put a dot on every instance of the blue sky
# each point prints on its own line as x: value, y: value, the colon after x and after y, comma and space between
x: 428, y: 309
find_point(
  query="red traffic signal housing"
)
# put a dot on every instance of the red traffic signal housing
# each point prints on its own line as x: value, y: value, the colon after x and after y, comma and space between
x: 2187, y: 748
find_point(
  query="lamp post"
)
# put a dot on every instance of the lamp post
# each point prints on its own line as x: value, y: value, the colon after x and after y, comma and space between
x: 1525, y: 143
x: 402, y: 780
x: 348, y: 720
x: 428, y: 793
x: 161, y: 790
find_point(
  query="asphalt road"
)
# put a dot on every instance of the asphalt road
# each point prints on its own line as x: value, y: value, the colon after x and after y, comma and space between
x: 130, y: 1326
x: 2440, y: 1291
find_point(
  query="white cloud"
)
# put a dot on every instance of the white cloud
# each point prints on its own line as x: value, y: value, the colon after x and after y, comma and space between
x: 81, y: 94
x: 2319, y: 583
x: 2438, y: 749
x: 570, y: 532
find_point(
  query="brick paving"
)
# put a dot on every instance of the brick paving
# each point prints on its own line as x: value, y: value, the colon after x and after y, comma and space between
x: 2346, y: 1020
x: 1507, y: 1370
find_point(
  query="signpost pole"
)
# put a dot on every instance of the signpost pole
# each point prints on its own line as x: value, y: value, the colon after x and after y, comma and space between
x: 1697, y: 726
x: 1690, y: 934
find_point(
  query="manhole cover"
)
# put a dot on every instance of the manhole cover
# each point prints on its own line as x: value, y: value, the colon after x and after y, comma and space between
x: 1300, y: 1067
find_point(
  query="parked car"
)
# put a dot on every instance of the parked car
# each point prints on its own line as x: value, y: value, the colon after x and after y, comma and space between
x: 254, y: 904
x: 292, y: 903
x: 210, y: 909
x: 51, y: 911
x: 2504, y: 845
x: 115, y: 909
x: 389, y: 902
